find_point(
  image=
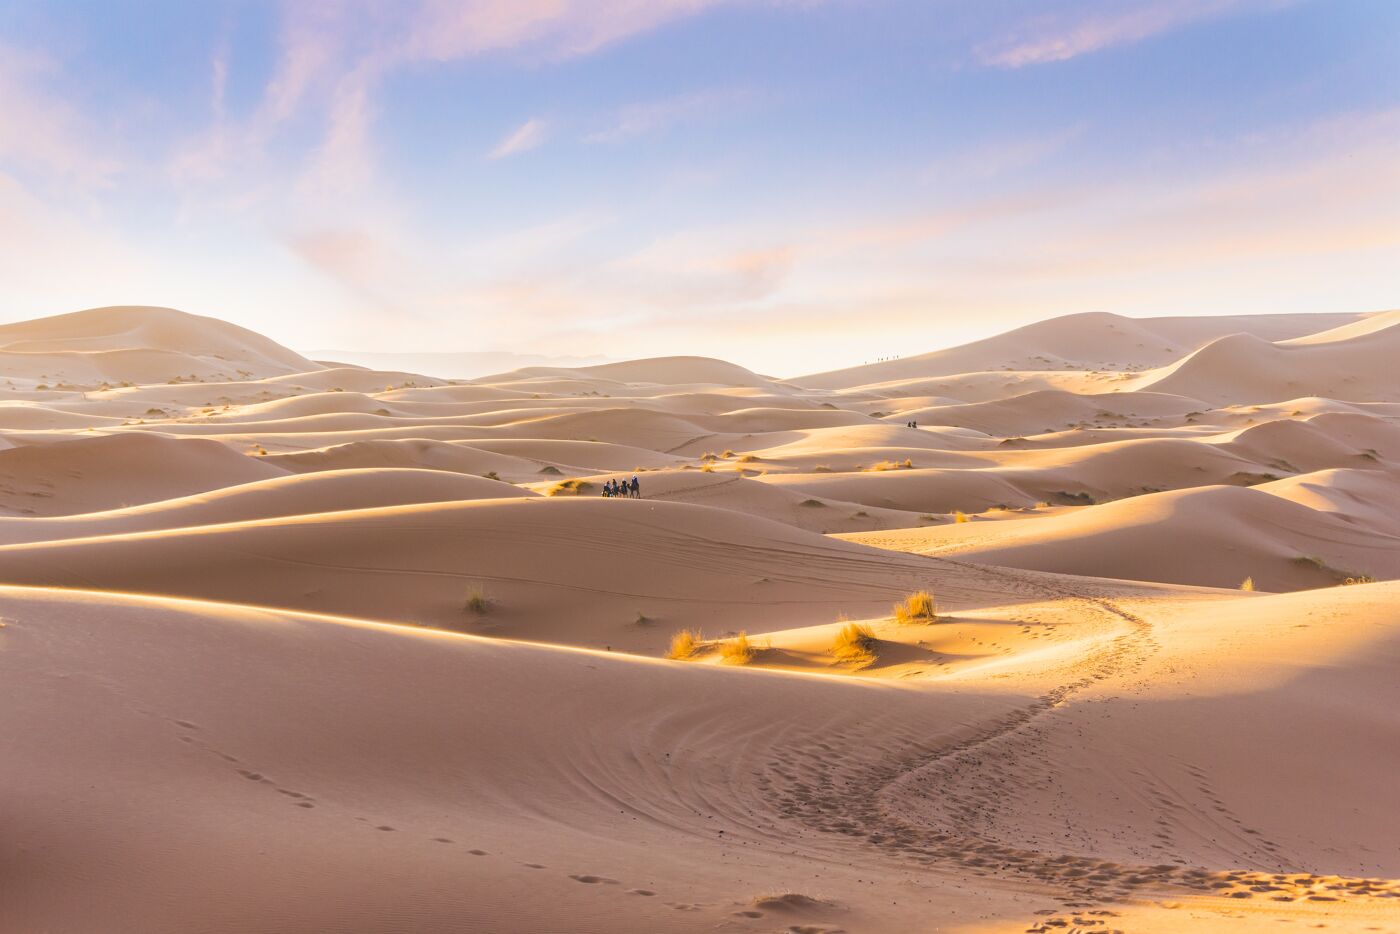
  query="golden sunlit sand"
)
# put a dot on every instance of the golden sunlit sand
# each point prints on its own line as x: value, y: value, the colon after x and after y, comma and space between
x: 303, y: 647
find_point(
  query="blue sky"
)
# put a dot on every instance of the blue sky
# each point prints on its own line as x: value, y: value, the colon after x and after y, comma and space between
x: 790, y: 184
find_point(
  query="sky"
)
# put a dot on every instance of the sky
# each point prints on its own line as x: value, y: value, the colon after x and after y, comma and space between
x: 793, y: 185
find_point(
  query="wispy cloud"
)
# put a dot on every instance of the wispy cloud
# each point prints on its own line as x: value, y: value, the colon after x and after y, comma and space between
x: 650, y: 116
x: 522, y: 139
x: 1057, y: 37
x: 43, y: 133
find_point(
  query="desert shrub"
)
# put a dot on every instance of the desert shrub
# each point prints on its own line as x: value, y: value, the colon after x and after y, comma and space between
x: 684, y: 644
x: 959, y: 515
x: 1358, y: 579
x: 854, y: 643
x: 727, y: 453
x: 709, y: 456
x: 1247, y: 585
x: 821, y: 468
x: 860, y: 514
x: 476, y: 601
x: 918, y: 607
x: 491, y: 475
x: 551, y: 469
x: 643, y: 619
x: 905, y: 464
x: 570, y: 487
x: 749, y: 458
x: 811, y: 502
x: 737, y: 651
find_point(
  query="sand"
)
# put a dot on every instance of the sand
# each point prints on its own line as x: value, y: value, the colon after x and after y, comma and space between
x: 303, y: 647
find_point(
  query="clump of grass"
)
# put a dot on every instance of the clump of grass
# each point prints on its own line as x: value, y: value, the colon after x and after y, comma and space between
x: 707, y: 468
x: 727, y: 453
x: 906, y: 464
x: 959, y: 516
x: 749, y: 458
x: 737, y: 651
x: 854, y: 643
x: 1358, y: 579
x: 709, y: 456
x: 821, y: 468
x: 927, y: 518
x: 643, y: 619
x: 861, y: 514
x: 570, y: 487
x: 684, y: 644
x: 1247, y: 585
x: 811, y: 502
x: 491, y: 475
x: 551, y: 469
x: 477, y: 602
x: 918, y: 607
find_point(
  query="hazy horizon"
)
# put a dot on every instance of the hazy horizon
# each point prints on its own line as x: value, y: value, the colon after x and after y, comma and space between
x: 790, y: 186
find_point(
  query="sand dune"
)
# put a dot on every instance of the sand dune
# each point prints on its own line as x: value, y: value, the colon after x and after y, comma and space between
x: 310, y: 647
x: 1354, y: 365
x: 1090, y: 340
x: 106, y: 472
x: 1211, y: 536
x: 283, y: 496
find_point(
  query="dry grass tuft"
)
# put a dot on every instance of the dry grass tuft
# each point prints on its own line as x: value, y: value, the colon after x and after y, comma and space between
x: 737, y: 651
x: 684, y: 644
x: 906, y: 464
x: 917, y: 608
x: 1247, y: 585
x: 811, y: 502
x: 821, y: 468
x: 855, y: 644
x: 570, y: 488
x: 749, y: 458
x: 959, y: 515
x: 477, y: 602
x: 727, y: 454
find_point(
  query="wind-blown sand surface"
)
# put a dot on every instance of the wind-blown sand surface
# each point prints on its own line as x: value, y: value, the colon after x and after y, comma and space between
x: 301, y: 648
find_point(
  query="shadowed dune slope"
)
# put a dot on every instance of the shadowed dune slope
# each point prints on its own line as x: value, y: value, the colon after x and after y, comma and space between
x: 283, y: 496
x: 574, y: 571
x: 1209, y: 536
x: 91, y: 473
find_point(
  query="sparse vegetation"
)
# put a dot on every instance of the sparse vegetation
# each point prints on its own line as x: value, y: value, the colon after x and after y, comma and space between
x: 918, y: 607
x: 738, y: 650
x: 811, y: 502
x: 491, y: 475
x: 477, y: 602
x: 749, y: 458
x: 570, y: 487
x: 906, y: 464
x: 552, y: 470
x: 727, y: 454
x: 959, y: 516
x: 854, y: 644
x: 684, y: 644
x: 1247, y: 585
x: 1358, y: 579
x: 821, y: 468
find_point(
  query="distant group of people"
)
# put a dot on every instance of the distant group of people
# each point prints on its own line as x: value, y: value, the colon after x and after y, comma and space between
x: 911, y: 424
x: 623, y: 487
